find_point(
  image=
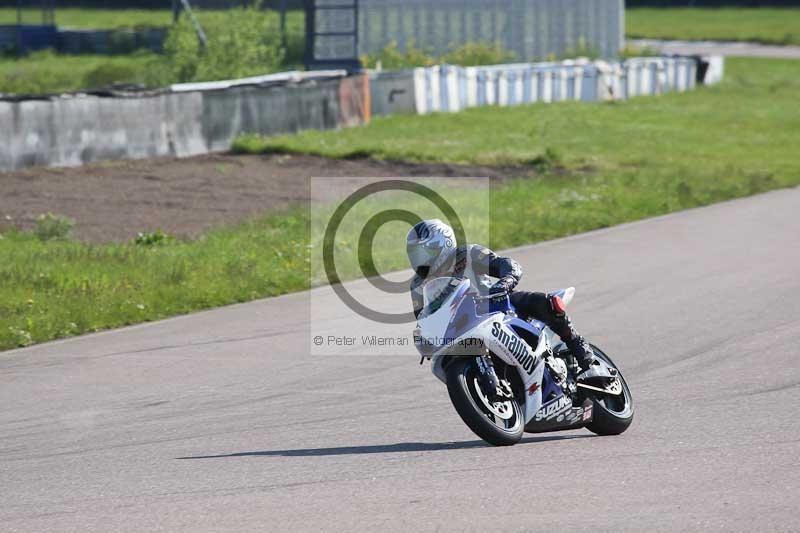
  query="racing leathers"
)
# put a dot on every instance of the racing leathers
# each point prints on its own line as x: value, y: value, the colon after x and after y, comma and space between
x: 479, y: 264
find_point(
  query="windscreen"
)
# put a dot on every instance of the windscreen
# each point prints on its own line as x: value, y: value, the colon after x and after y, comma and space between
x: 436, y: 291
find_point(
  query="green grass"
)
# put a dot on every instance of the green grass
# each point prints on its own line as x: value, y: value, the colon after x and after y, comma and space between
x: 93, y: 18
x: 602, y: 164
x: 47, y: 72
x: 755, y: 107
x: 764, y: 25
x: 59, y: 288
x: 618, y: 161
x: 128, y: 18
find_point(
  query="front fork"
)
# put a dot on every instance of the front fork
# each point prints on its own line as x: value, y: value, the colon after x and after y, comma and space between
x: 492, y: 385
x: 488, y: 376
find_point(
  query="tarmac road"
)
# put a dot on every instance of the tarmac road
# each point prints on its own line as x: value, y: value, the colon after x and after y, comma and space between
x: 222, y: 421
x: 723, y: 48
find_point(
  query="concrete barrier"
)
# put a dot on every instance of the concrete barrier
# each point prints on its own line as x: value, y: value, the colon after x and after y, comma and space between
x: 392, y: 92
x: 449, y: 88
x: 711, y: 69
x: 268, y: 111
x: 78, y: 129
x: 354, y: 101
x: 646, y: 77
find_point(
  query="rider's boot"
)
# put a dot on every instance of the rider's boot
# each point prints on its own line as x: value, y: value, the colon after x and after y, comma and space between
x: 584, y: 355
x: 580, y: 349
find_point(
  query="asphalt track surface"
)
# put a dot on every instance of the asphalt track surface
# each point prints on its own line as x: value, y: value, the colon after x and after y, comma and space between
x: 723, y: 48
x: 222, y: 420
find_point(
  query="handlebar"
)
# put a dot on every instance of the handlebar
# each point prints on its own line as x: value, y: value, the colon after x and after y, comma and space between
x: 488, y: 297
x: 494, y: 303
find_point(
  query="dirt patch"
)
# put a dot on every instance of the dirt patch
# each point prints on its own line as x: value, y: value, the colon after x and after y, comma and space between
x: 113, y: 201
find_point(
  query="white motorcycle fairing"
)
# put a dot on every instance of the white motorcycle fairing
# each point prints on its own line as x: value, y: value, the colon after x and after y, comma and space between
x: 450, y: 326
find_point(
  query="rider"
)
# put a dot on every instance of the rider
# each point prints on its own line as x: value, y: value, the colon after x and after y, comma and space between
x: 433, y: 252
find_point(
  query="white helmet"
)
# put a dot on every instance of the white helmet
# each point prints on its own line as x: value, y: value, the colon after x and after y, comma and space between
x: 428, y: 244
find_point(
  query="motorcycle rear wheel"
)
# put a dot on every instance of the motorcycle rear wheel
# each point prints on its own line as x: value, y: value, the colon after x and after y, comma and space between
x: 498, y: 423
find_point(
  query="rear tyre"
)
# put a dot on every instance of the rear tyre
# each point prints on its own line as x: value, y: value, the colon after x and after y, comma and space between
x: 498, y: 423
x: 612, y: 414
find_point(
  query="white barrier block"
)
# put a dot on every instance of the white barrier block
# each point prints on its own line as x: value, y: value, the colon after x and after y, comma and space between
x: 645, y: 78
x: 547, y: 86
x: 535, y: 86
x: 435, y: 91
x: 452, y: 89
x: 715, y: 71
x: 661, y: 77
x: 578, y: 74
x: 502, y: 88
x: 491, y: 96
x: 682, y: 81
x: 420, y: 91
x: 472, y: 87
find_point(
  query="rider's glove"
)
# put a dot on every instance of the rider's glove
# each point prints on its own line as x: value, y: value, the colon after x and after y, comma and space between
x: 503, y: 285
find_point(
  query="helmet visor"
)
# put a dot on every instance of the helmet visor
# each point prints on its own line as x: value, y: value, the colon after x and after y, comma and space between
x: 420, y: 255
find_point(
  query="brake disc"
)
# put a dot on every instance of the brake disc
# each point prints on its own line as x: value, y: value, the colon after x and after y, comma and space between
x: 502, y: 410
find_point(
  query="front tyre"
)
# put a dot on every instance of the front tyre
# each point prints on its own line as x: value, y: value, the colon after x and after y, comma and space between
x: 498, y: 423
x: 612, y: 414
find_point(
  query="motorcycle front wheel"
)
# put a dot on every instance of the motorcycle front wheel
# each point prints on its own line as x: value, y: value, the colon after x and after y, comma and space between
x: 498, y: 423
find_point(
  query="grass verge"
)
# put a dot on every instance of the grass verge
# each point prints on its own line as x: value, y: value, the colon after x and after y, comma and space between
x: 55, y: 289
x: 747, y: 124
x: 46, y: 72
x: 763, y: 25
x: 600, y: 165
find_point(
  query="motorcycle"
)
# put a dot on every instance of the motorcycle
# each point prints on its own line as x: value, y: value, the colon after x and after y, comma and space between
x: 506, y: 376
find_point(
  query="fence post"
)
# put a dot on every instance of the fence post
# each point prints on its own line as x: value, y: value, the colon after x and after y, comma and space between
x: 283, y: 24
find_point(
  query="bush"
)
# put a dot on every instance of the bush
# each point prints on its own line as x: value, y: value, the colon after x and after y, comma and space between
x: 51, y: 227
x: 582, y: 49
x: 151, y: 238
x: 392, y: 58
x: 33, y: 75
x: 110, y: 74
x: 470, y: 54
x: 473, y: 54
x: 630, y: 50
x: 242, y: 43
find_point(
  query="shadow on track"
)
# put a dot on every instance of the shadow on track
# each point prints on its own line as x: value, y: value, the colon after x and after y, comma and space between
x: 382, y: 448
